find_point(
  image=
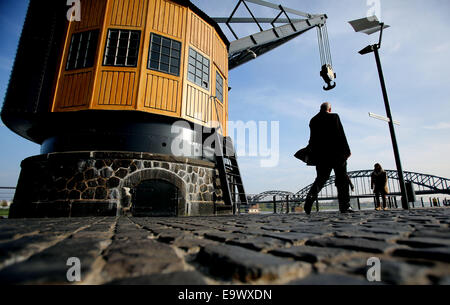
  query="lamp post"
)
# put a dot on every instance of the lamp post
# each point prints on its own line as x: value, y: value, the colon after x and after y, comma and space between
x: 369, y: 26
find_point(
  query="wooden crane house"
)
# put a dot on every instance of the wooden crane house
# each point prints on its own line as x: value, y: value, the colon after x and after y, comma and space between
x: 116, y: 99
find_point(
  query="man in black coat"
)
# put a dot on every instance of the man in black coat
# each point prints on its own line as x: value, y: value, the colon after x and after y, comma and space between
x: 330, y: 151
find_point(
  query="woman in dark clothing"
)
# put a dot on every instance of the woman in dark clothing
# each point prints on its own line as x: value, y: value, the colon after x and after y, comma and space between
x: 379, y: 186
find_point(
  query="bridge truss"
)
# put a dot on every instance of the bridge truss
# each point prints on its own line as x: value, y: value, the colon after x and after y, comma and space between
x: 423, y: 184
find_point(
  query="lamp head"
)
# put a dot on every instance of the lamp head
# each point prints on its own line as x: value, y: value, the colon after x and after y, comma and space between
x: 366, y: 50
x: 368, y: 25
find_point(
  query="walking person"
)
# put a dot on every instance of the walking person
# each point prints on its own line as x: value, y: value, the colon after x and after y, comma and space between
x: 379, y: 186
x: 330, y: 150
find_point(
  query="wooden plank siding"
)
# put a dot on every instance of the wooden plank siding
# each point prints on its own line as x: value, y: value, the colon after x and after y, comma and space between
x: 92, y: 15
x: 139, y: 88
x: 161, y: 93
x: 128, y: 13
x: 168, y: 18
x: 220, y: 59
x: 73, y: 89
x: 220, y: 55
x: 76, y: 90
x: 217, y: 115
x: 221, y: 116
x: 118, y: 87
x: 200, y: 34
x: 197, y: 102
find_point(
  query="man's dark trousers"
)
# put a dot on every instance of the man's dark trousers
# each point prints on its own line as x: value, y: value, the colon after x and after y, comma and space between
x: 342, y: 185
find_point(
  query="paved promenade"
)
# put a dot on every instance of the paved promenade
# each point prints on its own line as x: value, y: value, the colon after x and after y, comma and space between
x: 325, y: 248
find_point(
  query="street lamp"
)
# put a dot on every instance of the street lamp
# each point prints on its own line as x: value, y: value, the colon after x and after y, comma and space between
x: 369, y: 26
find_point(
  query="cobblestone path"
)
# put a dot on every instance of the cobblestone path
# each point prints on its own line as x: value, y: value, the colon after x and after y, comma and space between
x: 325, y: 248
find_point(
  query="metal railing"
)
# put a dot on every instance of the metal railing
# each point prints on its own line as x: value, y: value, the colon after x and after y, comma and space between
x: 293, y: 204
x: 7, y: 193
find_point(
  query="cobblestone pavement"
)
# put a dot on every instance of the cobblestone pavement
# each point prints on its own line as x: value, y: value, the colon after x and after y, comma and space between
x: 325, y: 248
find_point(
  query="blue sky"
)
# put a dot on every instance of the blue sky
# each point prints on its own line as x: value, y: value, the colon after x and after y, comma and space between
x: 13, y: 148
x: 284, y: 85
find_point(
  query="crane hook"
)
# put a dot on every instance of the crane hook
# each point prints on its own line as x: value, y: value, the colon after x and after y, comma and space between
x: 328, y: 76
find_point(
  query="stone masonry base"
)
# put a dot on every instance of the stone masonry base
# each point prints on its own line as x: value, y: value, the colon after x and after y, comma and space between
x: 97, y: 183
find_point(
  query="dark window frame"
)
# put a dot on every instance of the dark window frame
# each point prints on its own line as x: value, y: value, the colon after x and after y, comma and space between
x: 82, y: 50
x: 116, y: 53
x: 164, y: 55
x: 219, y: 85
x: 198, y: 69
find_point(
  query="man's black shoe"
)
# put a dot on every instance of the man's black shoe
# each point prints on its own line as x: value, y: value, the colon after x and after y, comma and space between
x: 348, y: 211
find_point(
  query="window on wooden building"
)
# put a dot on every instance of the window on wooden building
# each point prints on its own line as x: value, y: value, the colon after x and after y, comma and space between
x: 83, y: 47
x: 198, y: 70
x: 122, y: 48
x: 164, y: 55
x: 219, y: 87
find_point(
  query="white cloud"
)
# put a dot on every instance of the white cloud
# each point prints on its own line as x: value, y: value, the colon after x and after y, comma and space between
x: 431, y: 160
x: 443, y: 47
x: 439, y: 126
x: 374, y: 140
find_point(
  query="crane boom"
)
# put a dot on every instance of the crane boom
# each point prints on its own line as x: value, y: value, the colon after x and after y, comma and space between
x: 248, y: 48
x: 243, y: 50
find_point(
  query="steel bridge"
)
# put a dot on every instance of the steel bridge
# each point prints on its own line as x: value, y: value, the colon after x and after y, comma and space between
x: 7, y: 193
x: 423, y: 184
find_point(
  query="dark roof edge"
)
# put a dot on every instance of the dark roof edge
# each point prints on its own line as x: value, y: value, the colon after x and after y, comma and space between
x: 205, y: 17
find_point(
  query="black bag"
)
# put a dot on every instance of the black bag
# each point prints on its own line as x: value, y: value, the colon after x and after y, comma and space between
x: 305, y: 155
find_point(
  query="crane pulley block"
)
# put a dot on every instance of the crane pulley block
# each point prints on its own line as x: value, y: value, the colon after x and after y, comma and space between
x: 328, y: 76
x: 326, y: 72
